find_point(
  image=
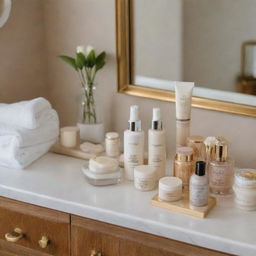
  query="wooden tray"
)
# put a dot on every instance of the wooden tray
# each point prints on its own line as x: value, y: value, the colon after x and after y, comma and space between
x: 73, y: 152
x: 182, y: 206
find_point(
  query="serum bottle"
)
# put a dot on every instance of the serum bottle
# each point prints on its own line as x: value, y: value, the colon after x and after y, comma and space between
x: 133, y: 144
x: 198, y: 186
x: 221, y: 171
x: 156, y: 145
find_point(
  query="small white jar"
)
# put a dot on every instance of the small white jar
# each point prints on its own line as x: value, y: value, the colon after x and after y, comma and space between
x: 245, y: 189
x: 170, y: 189
x: 144, y: 177
x: 112, y: 144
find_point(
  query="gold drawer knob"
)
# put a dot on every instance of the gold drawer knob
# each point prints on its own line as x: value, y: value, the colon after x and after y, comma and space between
x: 95, y: 253
x: 14, y: 236
x: 43, y: 242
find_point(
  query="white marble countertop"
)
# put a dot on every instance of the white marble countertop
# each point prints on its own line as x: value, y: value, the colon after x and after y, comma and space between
x: 56, y: 182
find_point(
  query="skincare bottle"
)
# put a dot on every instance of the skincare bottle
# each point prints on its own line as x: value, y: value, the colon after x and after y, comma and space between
x: 198, y: 186
x: 183, y: 96
x: 156, y: 145
x: 184, y: 165
x: 221, y: 169
x: 133, y: 144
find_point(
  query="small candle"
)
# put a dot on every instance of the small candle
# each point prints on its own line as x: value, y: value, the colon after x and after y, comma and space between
x: 69, y: 136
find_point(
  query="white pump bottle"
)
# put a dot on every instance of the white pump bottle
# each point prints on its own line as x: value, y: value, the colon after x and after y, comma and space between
x: 157, y: 145
x: 133, y: 144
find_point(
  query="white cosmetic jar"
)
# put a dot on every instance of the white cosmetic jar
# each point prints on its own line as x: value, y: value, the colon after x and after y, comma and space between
x: 144, y: 177
x: 103, y: 164
x: 170, y: 189
x: 245, y: 189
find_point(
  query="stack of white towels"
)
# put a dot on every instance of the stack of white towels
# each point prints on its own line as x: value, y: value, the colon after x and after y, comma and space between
x: 27, y: 131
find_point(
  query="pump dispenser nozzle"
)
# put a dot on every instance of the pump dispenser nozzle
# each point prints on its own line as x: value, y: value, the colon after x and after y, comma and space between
x: 156, y: 120
x: 134, y: 122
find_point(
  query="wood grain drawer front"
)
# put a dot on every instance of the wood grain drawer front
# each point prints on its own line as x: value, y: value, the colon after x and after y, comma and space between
x: 111, y: 240
x: 34, y: 222
x: 88, y: 240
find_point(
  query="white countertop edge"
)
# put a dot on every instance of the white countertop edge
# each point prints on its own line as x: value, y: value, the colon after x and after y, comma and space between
x: 133, y: 222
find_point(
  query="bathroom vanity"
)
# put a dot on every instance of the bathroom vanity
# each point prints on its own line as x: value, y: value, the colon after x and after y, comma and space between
x: 59, y: 213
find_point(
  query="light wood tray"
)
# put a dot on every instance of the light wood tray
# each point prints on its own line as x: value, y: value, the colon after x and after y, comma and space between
x: 73, y: 152
x: 182, y: 206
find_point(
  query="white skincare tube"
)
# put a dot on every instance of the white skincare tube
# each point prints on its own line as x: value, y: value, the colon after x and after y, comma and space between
x: 183, y: 94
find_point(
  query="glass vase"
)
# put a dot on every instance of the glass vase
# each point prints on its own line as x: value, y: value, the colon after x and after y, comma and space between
x: 87, y: 106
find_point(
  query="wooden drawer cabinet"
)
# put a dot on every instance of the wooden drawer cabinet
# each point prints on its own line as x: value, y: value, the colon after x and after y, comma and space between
x: 51, y: 228
x: 110, y: 240
x: 77, y: 236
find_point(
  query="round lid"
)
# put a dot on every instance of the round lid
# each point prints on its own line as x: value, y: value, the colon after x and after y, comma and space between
x: 69, y: 129
x: 245, y: 177
x: 170, y: 183
x: 112, y: 135
x: 184, y: 154
x: 144, y: 171
x: 200, y: 168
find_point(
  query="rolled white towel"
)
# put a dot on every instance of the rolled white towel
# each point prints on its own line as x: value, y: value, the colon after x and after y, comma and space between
x: 12, y: 136
x: 26, y: 114
x: 22, y: 157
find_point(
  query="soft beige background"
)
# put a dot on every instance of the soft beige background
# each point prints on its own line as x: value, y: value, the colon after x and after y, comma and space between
x: 157, y: 39
x: 22, y: 64
x: 192, y: 40
x: 69, y: 23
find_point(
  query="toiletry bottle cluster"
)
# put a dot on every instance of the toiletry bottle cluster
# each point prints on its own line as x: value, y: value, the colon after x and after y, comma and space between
x: 134, y: 139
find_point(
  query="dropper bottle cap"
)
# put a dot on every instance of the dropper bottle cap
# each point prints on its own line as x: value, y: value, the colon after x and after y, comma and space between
x: 134, y: 122
x: 157, y: 123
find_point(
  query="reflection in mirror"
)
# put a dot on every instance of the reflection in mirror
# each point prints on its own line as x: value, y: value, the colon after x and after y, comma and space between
x: 5, y: 8
x: 204, y: 41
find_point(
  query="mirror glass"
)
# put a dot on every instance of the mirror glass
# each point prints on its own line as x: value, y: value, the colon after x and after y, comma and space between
x: 211, y: 43
x: 5, y: 8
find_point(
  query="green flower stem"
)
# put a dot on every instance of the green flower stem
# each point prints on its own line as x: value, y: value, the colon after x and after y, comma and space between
x: 87, y: 81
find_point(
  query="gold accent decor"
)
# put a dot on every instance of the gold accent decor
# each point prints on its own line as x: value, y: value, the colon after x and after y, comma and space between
x: 182, y: 206
x: 124, y: 56
x: 14, y: 236
x: 43, y: 242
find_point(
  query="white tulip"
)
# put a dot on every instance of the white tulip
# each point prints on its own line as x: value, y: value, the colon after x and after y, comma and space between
x: 89, y: 48
x: 80, y: 49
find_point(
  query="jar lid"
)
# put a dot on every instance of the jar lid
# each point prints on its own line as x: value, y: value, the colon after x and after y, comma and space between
x: 245, y: 177
x: 170, y: 183
x: 184, y: 154
x: 112, y: 135
x: 69, y: 129
x: 144, y: 171
x: 101, y: 176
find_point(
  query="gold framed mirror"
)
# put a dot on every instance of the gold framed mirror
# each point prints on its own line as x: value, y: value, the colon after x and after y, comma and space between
x: 124, y: 30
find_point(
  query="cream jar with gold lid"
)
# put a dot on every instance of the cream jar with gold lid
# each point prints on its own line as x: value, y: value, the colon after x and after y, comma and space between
x: 245, y: 189
x: 184, y: 164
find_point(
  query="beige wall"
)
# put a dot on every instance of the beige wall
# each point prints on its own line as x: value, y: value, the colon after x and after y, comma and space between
x: 214, y: 32
x: 70, y: 23
x: 22, y: 51
x: 158, y: 39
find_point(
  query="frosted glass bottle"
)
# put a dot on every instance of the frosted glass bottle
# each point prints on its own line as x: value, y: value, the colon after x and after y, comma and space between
x: 221, y: 173
x: 133, y: 144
